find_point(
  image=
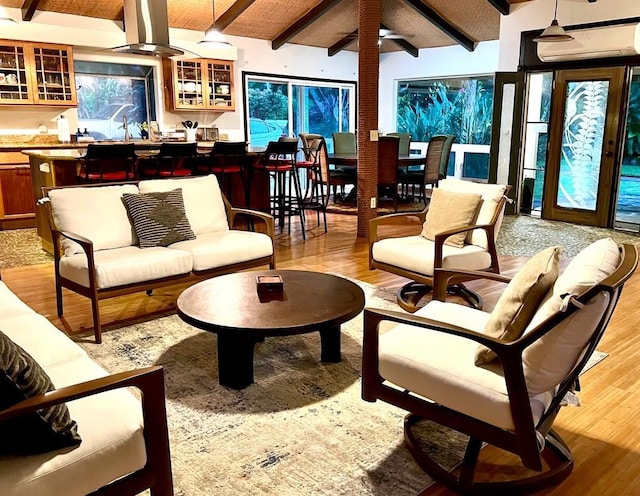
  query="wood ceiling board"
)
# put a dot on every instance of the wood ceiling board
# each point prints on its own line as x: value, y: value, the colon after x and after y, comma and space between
x: 331, y: 27
x: 476, y: 18
x: 101, y: 9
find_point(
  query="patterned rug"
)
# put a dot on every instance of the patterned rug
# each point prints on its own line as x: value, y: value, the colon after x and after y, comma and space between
x: 300, y: 429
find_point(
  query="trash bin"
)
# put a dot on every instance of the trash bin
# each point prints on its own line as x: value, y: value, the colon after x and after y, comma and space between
x: 527, y: 195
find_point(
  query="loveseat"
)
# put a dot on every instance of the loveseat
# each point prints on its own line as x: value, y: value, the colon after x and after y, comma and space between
x: 124, y: 445
x: 120, y: 238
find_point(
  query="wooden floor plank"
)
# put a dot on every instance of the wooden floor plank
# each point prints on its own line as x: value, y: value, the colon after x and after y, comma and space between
x: 604, y: 433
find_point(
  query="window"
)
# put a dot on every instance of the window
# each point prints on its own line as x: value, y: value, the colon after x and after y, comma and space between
x: 109, y: 92
x: 287, y: 107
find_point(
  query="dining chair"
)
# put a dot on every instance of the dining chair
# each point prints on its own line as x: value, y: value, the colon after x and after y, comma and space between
x: 344, y: 143
x: 173, y: 160
x: 108, y: 163
x: 227, y: 159
x: 405, y: 142
x: 388, y: 178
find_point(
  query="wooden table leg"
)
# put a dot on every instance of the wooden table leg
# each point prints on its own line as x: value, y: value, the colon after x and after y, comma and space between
x: 330, y: 344
x: 235, y: 360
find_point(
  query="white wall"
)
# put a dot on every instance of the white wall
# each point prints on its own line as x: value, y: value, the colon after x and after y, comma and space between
x: 537, y: 15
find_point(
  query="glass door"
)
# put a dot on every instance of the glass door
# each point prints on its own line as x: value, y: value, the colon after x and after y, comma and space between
x: 580, y: 168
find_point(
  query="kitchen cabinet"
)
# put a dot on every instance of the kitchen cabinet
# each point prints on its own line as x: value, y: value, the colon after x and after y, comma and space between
x: 199, y: 84
x: 36, y: 74
x: 17, y: 206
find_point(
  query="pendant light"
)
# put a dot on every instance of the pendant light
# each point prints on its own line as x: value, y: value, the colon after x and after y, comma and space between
x: 212, y: 37
x: 554, y: 32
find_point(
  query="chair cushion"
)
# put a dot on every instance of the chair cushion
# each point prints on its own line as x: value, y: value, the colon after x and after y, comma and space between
x: 520, y: 300
x: 11, y: 305
x: 21, y: 377
x: 416, y: 253
x: 549, y: 359
x: 212, y: 250
x: 491, y: 196
x: 440, y: 366
x: 449, y: 210
x: 127, y: 265
x: 159, y: 218
x: 97, y: 213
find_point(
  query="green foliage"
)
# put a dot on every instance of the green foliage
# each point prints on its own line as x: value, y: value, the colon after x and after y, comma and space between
x: 632, y: 150
x: 268, y: 101
x: 440, y: 108
x: 98, y: 92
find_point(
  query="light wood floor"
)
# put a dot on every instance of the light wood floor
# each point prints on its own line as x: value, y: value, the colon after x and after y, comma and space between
x: 604, y: 433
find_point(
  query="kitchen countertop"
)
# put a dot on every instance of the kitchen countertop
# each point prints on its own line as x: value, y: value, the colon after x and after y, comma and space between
x: 18, y: 147
x: 74, y: 151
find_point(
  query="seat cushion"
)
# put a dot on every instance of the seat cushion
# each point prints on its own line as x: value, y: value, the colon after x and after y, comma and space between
x: 491, y: 196
x: 416, y: 253
x: 450, y: 210
x: 159, y: 218
x: 520, y: 300
x: 127, y: 265
x: 549, y: 359
x: 112, y: 444
x: 202, y: 201
x: 219, y: 249
x: 97, y: 213
x: 11, y: 305
x: 441, y: 367
x: 47, y: 429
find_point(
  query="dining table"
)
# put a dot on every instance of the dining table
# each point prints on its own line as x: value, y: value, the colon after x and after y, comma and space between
x: 348, y: 161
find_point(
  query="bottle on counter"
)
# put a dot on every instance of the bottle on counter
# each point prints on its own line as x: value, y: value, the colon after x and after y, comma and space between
x: 64, y: 136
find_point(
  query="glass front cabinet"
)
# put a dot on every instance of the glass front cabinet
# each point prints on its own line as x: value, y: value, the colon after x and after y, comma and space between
x: 35, y: 73
x: 199, y: 84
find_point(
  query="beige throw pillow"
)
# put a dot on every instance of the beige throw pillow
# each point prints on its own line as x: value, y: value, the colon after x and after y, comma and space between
x: 520, y: 300
x: 448, y: 210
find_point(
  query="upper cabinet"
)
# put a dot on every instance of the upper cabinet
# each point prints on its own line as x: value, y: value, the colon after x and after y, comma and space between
x: 37, y: 74
x: 200, y: 84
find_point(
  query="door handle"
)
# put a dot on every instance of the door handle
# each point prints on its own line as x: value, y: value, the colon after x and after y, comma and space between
x: 609, y: 154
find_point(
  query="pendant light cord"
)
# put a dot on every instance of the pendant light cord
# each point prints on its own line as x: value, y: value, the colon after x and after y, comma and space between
x: 555, y: 13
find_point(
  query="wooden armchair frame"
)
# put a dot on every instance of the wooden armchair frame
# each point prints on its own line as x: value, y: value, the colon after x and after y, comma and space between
x: 96, y: 294
x: 156, y: 474
x: 522, y: 441
x: 409, y: 296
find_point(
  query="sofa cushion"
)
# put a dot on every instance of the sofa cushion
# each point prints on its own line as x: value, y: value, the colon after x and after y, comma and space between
x: 202, y: 201
x: 11, y: 305
x: 97, y: 213
x: 491, y: 196
x: 127, y: 265
x: 218, y: 249
x: 520, y: 300
x: 158, y: 218
x: 416, y: 253
x: 44, y: 430
x: 549, y: 359
x: 112, y: 442
x: 449, y: 210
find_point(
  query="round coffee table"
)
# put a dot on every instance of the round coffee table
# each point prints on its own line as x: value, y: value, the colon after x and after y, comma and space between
x: 231, y: 307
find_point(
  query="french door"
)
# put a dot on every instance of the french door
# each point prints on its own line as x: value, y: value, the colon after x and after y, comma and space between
x: 583, y: 146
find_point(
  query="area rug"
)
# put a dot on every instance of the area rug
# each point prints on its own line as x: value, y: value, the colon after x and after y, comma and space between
x: 300, y: 429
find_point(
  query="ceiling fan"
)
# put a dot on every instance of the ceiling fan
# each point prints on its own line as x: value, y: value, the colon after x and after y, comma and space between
x: 383, y: 34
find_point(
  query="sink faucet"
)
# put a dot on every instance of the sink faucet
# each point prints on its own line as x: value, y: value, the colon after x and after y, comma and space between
x: 125, y: 126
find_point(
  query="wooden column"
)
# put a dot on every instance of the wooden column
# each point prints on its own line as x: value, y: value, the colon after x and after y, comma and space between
x: 368, y: 75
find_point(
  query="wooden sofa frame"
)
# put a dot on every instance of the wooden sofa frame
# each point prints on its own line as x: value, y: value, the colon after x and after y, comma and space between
x: 156, y: 474
x: 95, y: 294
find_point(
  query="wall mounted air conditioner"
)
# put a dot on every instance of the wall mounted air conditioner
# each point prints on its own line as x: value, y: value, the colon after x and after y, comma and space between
x: 592, y: 43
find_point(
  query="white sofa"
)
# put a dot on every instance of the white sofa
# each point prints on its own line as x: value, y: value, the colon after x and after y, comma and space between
x: 97, y: 253
x: 124, y: 444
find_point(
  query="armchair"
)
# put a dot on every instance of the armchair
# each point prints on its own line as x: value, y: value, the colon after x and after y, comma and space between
x: 417, y: 258
x: 425, y: 365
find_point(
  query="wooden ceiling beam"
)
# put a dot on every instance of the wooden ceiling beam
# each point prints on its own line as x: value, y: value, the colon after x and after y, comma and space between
x: 341, y: 44
x: 442, y: 24
x: 28, y: 9
x: 303, y: 22
x: 502, y: 6
x: 402, y: 43
x: 232, y: 13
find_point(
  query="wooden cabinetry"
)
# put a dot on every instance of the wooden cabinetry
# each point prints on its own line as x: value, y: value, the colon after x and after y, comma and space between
x: 36, y: 74
x: 17, y: 206
x: 200, y: 84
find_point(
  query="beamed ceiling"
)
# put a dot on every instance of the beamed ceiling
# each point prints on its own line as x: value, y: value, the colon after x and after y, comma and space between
x: 330, y: 24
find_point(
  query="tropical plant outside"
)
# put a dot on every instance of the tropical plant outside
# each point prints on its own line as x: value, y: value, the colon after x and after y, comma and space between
x: 459, y: 106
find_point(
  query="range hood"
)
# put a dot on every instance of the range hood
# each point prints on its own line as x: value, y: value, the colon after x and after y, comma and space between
x: 146, y: 27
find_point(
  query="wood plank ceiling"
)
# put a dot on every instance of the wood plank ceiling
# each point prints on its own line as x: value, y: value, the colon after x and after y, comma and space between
x: 330, y: 24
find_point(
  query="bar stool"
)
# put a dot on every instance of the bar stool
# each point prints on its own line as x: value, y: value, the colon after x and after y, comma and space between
x: 226, y: 159
x: 279, y: 160
x: 173, y: 160
x: 108, y: 163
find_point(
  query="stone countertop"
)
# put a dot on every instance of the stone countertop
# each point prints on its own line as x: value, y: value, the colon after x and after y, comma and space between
x: 78, y: 150
x: 18, y: 147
